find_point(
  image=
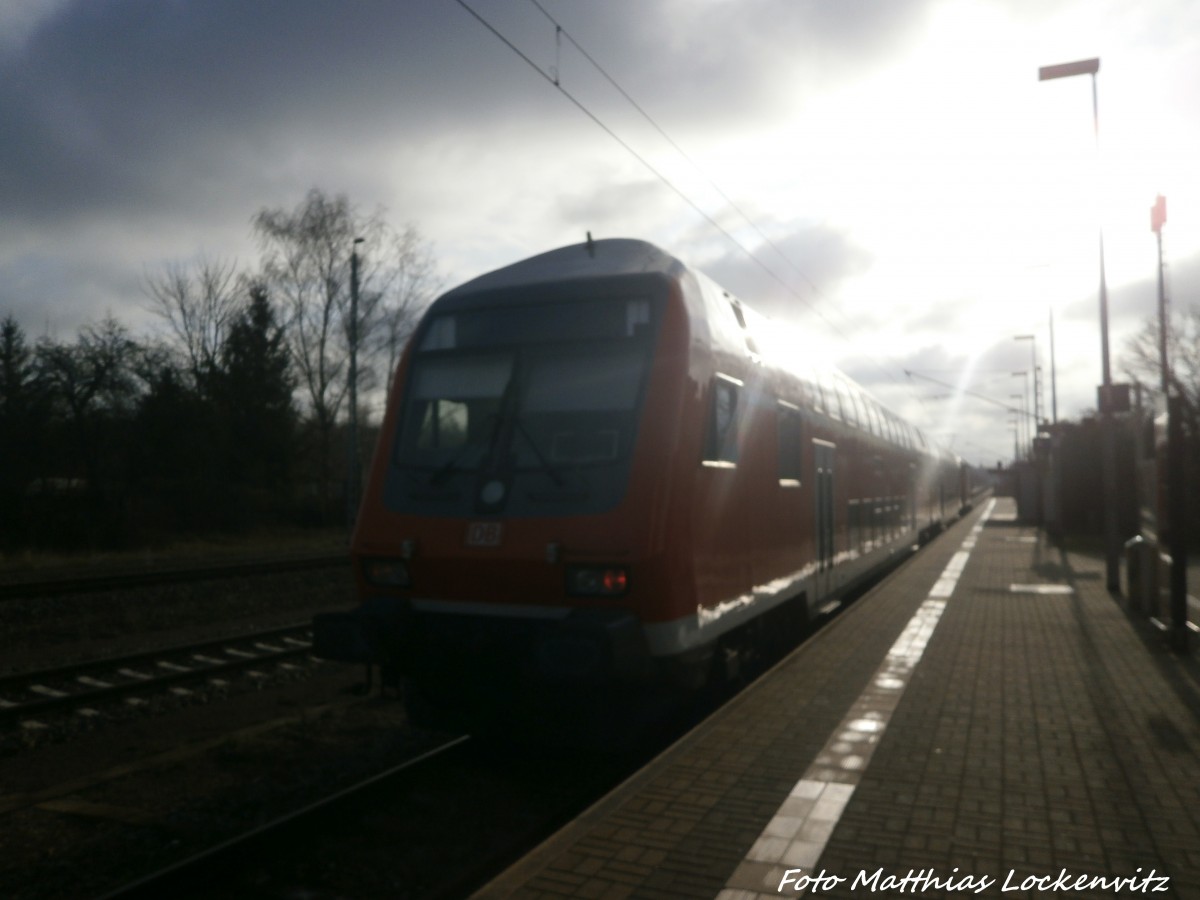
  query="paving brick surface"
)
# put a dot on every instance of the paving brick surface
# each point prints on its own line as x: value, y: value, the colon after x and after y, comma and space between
x: 1043, y: 729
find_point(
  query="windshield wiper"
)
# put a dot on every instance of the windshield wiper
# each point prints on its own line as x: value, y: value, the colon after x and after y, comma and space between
x: 450, y: 466
x: 549, y: 469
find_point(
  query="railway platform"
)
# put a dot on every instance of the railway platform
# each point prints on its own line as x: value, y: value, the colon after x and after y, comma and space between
x: 988, y: 722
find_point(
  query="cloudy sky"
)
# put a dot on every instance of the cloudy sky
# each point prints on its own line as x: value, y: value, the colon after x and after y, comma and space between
x: 887, y: 174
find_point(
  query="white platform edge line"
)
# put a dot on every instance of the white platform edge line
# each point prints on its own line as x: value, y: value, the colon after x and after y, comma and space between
x: 796, y: 836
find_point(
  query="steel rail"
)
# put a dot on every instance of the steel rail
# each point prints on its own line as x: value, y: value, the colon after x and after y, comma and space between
x: 196, y: 668
x: 185, y: 877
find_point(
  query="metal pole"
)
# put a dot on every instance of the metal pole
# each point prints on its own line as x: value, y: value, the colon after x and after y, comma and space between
x: 1020, y: 398
x: 1025, y: 406
x: 352, y: 467
x: 1108, y: 435
x: 1030, y: 420
x: 1037, y: 406
x: 1029, y: 424
x: 1177, y: 488
x: 1103, y: 282
x: 1112, y: 541
x: 1164, y: 365
x: 1053, y: 374
x: 1176, y: 521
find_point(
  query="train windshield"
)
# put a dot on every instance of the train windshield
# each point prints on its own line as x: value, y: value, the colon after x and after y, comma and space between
x: 540, y: 398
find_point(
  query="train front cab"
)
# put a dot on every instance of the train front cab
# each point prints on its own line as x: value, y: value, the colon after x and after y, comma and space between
x: 514, y: 523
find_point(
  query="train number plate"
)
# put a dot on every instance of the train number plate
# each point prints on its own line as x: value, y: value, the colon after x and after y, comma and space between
x: 485, y: 534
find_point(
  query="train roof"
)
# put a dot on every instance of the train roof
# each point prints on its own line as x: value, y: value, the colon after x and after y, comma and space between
x: 616, y: 257
x: 591, y: 259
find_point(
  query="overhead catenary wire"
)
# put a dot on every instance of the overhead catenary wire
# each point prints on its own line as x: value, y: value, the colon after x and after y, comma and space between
x: 562, y: 32
x: 969, y: 393
x: 554, y: 79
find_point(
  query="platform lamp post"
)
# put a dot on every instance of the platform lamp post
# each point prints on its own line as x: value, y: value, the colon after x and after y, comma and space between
x: 353, y: 477
x: 1020, y: 411
x: 1025, y: 406
x: 1158, y: 218
x: 1112, y: 552
x: 1037, y: 406
x: 1176, y: 469
x: 1053, y: 375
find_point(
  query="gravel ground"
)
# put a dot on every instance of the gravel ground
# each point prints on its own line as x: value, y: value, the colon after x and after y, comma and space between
x: 87, y: 804
x: 83, y: 816
x: 90, y: 804
x: 48, y: 631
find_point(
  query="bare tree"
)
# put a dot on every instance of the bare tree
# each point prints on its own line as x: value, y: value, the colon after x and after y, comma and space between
x: 306, y: 262
x: 416, y: 281
x: 91, y: 380
x: 1142, y: 358
x: 199, y: 306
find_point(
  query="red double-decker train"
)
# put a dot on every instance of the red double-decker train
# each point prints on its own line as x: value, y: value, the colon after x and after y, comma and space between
x: 598, y: 468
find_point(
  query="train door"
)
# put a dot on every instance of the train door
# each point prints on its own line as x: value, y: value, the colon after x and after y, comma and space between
x: 823, y: 459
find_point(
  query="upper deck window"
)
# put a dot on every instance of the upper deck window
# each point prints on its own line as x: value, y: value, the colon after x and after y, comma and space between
x: 509, y: 324
x: 849, y: 403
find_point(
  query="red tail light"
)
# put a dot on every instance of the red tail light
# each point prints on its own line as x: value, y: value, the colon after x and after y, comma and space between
x: 597, y: 581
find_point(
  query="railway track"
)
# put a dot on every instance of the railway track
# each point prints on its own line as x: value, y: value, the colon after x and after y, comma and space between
x: 221, y: 870
x: 77, y: 687
x: 437, y: 826
x: 124, y: 580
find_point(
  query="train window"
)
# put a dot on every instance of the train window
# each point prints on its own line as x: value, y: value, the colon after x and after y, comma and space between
x: 837, y: 401
x: 849, y: 405
x: 721, y: 445
x: 893, y: 429
x: 637, y: 316
x: 540, y: 323
x: 872, y: 417
x: 844, y: 401
x: 453, y: 406
x: 443, y: 426
x: 440, y: 335
x: 817, y: 395
x: 604, y: 379
x: 791, y: 443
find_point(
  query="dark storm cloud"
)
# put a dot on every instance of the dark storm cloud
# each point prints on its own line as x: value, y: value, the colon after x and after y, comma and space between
x: 113, y: 103
x: 137, y: 131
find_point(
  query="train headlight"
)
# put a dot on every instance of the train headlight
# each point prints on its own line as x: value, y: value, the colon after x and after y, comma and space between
x: 597, y: 581
x: 386, y: 573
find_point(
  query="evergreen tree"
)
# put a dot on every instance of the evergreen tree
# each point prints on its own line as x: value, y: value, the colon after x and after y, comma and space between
x: 177, y: 475
x: 22, y: 426
x: 254, y: 396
